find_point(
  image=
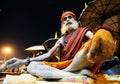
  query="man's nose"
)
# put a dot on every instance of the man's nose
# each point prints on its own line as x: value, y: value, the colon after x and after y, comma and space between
x: 68, y: 19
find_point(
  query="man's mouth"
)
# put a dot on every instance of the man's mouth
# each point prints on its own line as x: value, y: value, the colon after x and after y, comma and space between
x: 69, y: 23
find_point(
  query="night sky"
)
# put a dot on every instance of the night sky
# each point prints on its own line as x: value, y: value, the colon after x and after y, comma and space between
x: 25, y: 23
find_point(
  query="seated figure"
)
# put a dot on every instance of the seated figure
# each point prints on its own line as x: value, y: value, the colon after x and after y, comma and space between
x: 77, y: 53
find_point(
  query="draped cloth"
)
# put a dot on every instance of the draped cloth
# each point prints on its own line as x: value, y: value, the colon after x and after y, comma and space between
x: 74, y: 43
x: 72, y: 47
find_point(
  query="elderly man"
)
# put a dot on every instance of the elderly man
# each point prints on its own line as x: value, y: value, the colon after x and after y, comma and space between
x: 73, y: 36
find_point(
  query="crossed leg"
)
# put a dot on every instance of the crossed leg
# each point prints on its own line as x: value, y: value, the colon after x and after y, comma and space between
x: 41, y: 70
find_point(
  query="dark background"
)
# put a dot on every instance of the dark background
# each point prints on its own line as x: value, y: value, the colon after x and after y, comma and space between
x: 24, y: 23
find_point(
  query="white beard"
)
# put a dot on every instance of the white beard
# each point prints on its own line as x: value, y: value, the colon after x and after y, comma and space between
x: 74, y: 25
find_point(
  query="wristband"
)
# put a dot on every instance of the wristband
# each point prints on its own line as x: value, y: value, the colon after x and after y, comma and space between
x: 28, y: 61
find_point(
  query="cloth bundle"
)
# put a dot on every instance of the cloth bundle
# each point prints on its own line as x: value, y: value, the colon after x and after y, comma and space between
x: 19, y: 79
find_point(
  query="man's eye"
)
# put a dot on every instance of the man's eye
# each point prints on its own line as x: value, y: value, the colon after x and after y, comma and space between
x: 69, y: 17
x: 65, y: 18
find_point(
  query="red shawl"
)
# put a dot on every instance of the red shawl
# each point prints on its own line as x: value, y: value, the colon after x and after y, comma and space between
x: 74, y: 43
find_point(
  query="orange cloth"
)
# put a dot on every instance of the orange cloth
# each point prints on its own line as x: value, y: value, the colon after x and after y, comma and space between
x: 105, y: 47
x: 60, y: 65
x: 96, y: 67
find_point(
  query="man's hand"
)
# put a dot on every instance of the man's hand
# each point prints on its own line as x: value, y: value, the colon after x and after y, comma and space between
x: 12, y: 63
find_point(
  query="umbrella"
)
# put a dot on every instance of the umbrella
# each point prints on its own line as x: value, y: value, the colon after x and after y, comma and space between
x: 98, y: 11
x: 36, y: 50
x: 114, y: 22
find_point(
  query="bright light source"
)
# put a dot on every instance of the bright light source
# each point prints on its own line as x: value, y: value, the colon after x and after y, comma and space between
x: 7, y: 50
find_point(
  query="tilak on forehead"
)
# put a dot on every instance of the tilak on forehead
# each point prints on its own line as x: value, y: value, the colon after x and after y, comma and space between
x: 67, y: 13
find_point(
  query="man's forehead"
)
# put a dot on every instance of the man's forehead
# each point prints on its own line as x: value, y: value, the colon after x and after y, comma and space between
x: 68, y: 15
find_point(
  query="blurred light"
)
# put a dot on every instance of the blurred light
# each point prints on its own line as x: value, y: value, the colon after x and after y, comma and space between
x: 7, y: 50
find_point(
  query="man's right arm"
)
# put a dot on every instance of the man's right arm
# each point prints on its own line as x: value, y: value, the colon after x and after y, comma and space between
x: 51, y: 52
x: 16, y: 62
